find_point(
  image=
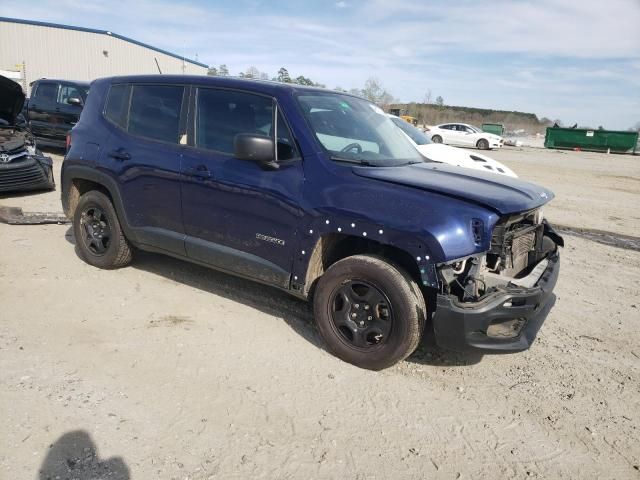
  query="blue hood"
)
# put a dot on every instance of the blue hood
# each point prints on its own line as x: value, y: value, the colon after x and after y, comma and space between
x: 500, y: 193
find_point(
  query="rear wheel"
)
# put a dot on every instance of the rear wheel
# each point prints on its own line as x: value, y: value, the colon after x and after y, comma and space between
x: 371, y: 313
x: 483, y: 144
x: 436, y: 139
x: 99, y: 237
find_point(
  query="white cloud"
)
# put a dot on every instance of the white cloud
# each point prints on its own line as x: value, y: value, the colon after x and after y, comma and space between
x: 342, y: 4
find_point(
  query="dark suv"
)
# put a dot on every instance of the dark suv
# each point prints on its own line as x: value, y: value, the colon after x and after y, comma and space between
x: 319, y: 194
x: 54, y: 108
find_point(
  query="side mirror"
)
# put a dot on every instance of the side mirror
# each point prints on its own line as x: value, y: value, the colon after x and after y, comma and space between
x: 74, y: 101
x: 259, y: 148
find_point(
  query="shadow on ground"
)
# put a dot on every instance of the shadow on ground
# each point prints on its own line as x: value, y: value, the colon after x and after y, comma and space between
x: 75, y: 456
x: 296, y: 313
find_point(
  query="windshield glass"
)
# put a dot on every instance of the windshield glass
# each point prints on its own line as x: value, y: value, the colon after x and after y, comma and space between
x: 476, y: 129
x: 414, y: 134
x: 354, y: 130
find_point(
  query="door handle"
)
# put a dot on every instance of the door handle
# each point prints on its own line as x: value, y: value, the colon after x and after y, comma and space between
x: 119, y: 154
x: 201, y: 171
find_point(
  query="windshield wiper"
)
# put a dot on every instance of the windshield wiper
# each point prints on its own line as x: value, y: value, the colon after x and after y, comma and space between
x: 357, y: 161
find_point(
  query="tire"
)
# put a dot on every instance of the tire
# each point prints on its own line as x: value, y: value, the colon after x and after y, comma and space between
x: 99, y: 236
x: 483, y: 144
x: 436, y: 139
x: 382, y: 321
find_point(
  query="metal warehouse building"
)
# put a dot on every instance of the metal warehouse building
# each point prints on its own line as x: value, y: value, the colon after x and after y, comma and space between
x: 31, y: 50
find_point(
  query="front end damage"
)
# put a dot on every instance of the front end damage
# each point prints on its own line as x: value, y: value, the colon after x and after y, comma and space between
x: 498, y: 300
x: 22, y: 166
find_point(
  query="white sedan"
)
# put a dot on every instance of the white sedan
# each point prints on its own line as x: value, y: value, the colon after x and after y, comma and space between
x: 464, y: 135
x: 451, y: 155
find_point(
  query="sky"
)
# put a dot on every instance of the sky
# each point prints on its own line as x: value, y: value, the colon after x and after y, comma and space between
x: 575, y: 60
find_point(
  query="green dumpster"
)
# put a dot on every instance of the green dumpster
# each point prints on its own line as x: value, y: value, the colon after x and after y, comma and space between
x: 495, y: 128
x: 595, y: 140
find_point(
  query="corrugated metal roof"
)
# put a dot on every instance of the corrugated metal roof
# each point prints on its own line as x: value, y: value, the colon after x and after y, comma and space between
x: 101, y: 32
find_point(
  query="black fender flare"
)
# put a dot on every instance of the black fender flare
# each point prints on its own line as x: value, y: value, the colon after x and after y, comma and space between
x: 83, y: 172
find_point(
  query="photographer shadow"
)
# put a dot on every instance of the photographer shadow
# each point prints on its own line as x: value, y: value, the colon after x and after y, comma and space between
x: 75, y: 456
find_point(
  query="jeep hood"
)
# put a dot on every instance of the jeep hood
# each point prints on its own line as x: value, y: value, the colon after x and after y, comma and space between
x: 11, y: 100
x: 498, y: 192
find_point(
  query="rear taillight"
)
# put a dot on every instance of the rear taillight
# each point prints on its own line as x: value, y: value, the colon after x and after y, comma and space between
x: 68, y: 142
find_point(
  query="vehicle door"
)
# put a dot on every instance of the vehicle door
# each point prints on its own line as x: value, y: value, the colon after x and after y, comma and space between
x: 43, y: 119
x: 238, y: 215
x: 468, y: 136
x: 143, y: 151
x: 446, y: 133
x: 69, y: 113
x: 456, y: 135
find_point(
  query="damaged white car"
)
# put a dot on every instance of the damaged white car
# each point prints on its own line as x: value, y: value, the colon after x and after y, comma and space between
x: 451, y: 155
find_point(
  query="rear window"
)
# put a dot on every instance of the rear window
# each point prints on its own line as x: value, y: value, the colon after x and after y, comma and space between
x: 155, y: 112
x: 117, y: 106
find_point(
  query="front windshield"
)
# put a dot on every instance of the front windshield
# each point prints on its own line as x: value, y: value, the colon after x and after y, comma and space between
x: 414, y: 134
x: 474, y: 128
x: 354, y: 130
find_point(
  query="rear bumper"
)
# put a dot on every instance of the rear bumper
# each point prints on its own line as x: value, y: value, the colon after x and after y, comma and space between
x: 506, y: 321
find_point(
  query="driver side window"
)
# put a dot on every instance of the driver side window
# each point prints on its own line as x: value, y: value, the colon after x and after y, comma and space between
x: 223, y: 114
x: 66, y: 92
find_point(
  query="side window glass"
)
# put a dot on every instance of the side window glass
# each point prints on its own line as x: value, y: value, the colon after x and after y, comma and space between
x: 118, y: 105
x: 68, y: 91
x: 47, y: 92
x: 286, y: 146
x: 155, y: 112
x: 222, y: 114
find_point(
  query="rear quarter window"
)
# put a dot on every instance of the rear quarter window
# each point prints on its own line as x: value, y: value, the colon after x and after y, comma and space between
x: 117, y: 106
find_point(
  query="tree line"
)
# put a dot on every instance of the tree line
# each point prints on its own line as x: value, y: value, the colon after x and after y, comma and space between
x: 252, y: 72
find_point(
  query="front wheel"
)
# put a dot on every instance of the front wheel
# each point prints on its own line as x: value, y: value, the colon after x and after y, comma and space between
x: 483, y: 144
x: 436, y: 139
x: 370, y: 313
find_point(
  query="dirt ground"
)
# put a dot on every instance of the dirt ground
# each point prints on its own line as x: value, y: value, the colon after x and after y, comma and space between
x: 168, y: 370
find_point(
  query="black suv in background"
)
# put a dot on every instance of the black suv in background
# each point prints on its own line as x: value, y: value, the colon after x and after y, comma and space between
x: 54, y: 108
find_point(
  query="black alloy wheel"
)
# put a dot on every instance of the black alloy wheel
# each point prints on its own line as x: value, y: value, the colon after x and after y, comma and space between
x: 97, y: 232
x: 100, y: 240
x: 370, y: 312
x: 361, y: 314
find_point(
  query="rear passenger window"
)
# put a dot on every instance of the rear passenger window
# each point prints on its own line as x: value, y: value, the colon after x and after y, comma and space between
x: 47, y: 91
x: 222, y: 114
x: 118, y: 105
x: 155, y: 112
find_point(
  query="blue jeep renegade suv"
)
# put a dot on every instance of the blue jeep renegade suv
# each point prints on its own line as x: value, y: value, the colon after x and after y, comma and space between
x: 317, y: 193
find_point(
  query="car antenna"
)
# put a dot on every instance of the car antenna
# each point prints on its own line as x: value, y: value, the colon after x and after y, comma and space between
x: 158, y: 65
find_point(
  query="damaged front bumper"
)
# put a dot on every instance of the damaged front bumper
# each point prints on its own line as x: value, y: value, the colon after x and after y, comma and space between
x: 29, y: 172
x: 507, y: 320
